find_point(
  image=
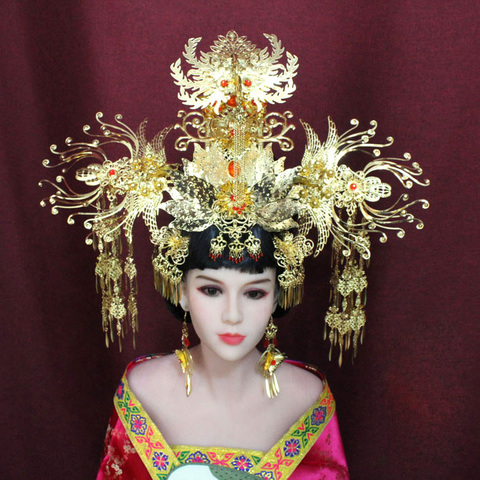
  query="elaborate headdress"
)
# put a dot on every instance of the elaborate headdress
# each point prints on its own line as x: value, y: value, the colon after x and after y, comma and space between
x: 234, y: 182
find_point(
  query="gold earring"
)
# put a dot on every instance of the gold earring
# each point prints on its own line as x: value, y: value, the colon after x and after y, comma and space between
x: 185, y: 357
x: 270, y: 360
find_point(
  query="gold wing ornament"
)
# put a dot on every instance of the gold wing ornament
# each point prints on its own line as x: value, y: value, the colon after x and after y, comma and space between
x: 121, y: 190
x: 337, y: 201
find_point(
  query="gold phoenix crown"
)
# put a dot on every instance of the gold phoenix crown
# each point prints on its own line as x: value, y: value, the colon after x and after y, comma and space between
x: 234, y: 182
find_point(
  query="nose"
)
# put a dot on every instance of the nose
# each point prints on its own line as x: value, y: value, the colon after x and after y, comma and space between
x: 232, y: 313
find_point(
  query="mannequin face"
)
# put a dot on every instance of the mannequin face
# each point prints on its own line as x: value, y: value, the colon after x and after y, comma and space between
x: 229, y: 309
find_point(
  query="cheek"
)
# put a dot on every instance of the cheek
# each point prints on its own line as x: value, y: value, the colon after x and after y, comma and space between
x: 200, y: 327
x: 259, y: 315
x: 200, y: 315
x: 262, y: 308
x: 197, y: 300
x: 202, y: 312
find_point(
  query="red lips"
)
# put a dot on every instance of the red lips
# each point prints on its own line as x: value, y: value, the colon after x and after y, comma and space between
x: 231, y: 338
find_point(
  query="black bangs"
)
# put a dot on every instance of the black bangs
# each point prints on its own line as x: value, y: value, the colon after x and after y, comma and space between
x: 199, y: 253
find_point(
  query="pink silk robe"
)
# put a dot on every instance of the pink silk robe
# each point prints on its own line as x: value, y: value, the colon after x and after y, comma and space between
x: 135, y: 449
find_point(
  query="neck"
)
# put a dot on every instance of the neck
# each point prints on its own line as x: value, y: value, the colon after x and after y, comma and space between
x: 224, y: 378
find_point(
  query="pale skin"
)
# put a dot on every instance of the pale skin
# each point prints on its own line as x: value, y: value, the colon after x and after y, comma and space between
x: 228, y: 406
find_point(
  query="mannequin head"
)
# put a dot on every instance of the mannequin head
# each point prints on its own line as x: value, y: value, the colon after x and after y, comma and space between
x: 229, y: 309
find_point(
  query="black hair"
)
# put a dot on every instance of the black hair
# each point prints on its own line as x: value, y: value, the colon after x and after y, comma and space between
x: 199, y: 257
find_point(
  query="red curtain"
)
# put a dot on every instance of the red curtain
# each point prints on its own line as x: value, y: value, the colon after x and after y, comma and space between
x: 408, y: 407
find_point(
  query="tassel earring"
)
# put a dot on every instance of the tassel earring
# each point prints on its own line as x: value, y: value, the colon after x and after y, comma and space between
x: 270, y: 360
x: 185, y: 357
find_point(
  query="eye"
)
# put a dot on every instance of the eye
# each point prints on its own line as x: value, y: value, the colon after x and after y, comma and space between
x: 211, y: 291
x: 255, y: 294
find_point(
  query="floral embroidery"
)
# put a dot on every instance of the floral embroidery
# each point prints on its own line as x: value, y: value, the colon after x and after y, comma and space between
x: 197, y: 457
x: 305, y: 431
x: 220, y: 459
x: 242, y: 463
x: 150, y: 442
x: 113, y: 468
x: 291, y: 448
x: 160, y: 461
x: 181, y: 455
x: 128, y: 448
x: 319, y: 415
x: 278, y: 465
x: 127, y: 406
x: 120, y: 390
x: 138, y: 424
x: 235, y: 460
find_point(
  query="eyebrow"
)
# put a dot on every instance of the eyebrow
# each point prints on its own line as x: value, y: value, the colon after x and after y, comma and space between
x: 211, y: 279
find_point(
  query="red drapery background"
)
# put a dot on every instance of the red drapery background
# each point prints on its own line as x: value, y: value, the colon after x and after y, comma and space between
x: 408, y: 408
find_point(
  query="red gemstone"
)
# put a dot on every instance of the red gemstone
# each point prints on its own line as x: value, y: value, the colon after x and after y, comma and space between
x: 224, y: 83
x: 112, y: 172
x: 248, y: 83
x: 256, y: 257
x: 233, y: 171
x: 186, y: 341
x: 236, y: 260
x: 239, y: 210
x: 273, y: 362
x: 353, y: 186
x: 232, y: 101
x: 214, y: 257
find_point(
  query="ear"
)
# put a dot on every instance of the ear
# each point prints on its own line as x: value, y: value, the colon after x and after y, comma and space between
x: 183, y: 298
x: 184, y: 304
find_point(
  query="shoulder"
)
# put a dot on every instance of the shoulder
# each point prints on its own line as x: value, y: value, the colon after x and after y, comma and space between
x: 295, y: 377
x: 150, y: 375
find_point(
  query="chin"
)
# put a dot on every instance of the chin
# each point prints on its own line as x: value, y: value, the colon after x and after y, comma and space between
x: 232, y: 353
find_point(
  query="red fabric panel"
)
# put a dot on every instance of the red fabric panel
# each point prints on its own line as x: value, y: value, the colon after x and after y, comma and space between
x: 408, y: 408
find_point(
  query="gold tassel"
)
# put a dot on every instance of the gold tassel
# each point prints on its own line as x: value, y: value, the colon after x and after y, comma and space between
x: 116, y: 278
x: 270, y: 361
x: 185, y: 358
x: 346, y: 314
